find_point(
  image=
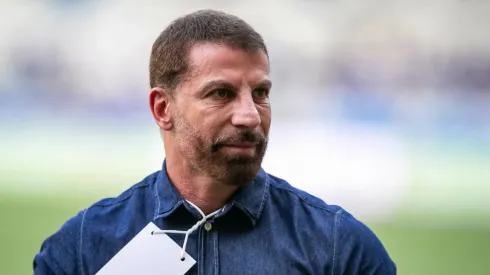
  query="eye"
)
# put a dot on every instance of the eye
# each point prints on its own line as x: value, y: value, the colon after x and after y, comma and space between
x: 260, y: 93
x: 222, y: 93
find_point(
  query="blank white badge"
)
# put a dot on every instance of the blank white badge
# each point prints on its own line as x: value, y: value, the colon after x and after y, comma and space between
x: 150, y: 255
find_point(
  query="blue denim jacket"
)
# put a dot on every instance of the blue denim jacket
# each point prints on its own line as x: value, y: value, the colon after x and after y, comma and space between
x: 269, y: 227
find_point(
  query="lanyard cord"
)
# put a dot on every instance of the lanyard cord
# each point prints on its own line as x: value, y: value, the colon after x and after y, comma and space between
x: 190, y: 230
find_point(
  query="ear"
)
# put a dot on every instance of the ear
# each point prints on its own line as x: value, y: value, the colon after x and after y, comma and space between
x: 160, y: 108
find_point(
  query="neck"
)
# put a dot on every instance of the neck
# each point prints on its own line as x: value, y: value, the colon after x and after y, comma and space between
x: 201, y: 190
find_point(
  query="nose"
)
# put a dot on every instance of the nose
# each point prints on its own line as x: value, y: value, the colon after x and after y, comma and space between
x: 245, y: 113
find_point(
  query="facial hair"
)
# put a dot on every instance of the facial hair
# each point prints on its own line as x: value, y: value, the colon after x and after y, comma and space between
x: 205, y: 157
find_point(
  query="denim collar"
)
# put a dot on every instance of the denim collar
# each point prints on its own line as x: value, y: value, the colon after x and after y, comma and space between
x: 249, y: 199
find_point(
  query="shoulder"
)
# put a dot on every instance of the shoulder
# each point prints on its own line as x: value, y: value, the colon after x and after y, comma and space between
x: 132, y: 193
x: 294, y: 195
x: 120, y: 216
x: 355, y: 246
x: 63, y: 252
x: 59, y: 253
x: 134, y: 203
x: 358, y: 250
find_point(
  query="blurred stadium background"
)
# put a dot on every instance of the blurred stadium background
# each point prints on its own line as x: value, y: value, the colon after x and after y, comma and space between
x: 380, y: 106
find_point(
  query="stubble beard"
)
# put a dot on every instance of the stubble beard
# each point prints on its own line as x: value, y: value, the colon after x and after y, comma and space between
x: 206, y: 158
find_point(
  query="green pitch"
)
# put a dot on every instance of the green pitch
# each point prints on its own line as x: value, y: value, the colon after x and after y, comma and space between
x: 26, y: 221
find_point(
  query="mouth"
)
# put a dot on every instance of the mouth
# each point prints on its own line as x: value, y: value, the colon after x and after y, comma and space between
x: 241, y: 147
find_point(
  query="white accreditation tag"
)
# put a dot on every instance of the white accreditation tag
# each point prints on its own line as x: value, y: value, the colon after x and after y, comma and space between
x: 150, y: 255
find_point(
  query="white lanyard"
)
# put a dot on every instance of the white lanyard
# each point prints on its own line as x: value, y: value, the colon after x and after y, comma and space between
x: 187, y: 232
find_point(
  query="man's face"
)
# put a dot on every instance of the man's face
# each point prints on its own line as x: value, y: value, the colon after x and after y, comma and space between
x: 221, y: 113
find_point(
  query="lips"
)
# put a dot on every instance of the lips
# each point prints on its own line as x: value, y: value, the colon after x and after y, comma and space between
x: 245, y: 141
x: 241, y: 144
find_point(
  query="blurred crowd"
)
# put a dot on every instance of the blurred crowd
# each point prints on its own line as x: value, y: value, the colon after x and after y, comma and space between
x: 396, y: 63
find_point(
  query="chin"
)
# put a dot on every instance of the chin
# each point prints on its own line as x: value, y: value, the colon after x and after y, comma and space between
x: 241, y: 174
x: 235, y: 169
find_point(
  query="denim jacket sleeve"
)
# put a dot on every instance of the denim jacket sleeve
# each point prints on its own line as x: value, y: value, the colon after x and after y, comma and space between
x: 357, y: 250
x: 60, y: 253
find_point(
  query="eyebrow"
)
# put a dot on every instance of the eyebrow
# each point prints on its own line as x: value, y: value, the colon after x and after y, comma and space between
x: 265, y: 83
x: 214, y: 84
x: 222, y: 83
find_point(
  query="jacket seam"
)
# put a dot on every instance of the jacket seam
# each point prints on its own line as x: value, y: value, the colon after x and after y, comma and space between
x: 121, y: 200
x: 335, y: 240
x: 157, y: 208
x: 307, y: 202
x: 80, y: 244
x: 265, y: 196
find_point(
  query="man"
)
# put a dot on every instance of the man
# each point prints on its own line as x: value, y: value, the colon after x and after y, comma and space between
x: 209, y: 76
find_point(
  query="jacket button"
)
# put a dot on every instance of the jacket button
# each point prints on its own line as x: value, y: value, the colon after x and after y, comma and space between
x: 208, y: 226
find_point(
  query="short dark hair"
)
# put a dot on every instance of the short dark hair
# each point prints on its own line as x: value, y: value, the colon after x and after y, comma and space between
x: 169, y: 55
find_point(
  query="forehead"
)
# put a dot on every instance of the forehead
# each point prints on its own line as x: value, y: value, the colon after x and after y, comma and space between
x: 210, y: 60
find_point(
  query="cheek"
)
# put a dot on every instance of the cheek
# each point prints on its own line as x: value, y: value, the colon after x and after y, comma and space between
x: 213, y: 120
x: 199, y: 133
x: 265, y: 118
